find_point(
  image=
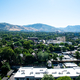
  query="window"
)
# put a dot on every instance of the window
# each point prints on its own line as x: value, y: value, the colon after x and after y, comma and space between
x: 17, y: 78
x: 68, y: 72
x: 37, y: 73
x: 37, y: 79
x: 54, y: 72
x: 41, y: 70
x: 31, y: 72
x: 23, y: 71
x: 77, y: 72
x: 60, y: 73
x: 27, y: 79
x: 32, y: 79
x: 21, y: 79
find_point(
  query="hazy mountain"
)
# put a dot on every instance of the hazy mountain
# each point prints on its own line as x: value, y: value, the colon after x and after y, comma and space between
x: 10, y: 27
x: 34, y: 27
x: 75, y: 28
x: 42, y: 27
x: 38, y: 27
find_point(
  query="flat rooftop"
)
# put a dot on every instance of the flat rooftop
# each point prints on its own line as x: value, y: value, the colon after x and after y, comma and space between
x: 39, y: 72
x: 70, y: 65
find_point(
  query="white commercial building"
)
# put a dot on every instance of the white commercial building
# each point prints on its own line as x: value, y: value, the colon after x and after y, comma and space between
x: 30, y: 73
x: 70, y: 65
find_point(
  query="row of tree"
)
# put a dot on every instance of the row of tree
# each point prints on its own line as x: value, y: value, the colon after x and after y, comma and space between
x: 50, y: 77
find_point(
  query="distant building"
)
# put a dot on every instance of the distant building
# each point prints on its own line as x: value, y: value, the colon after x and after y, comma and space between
x: 57, y: 42
x: 58, y: 31
x: 75, y: 38
x: 34, y: 55
x: 70, y: 65
x: 68, y: 57
x: 61, y: 39
x: 0, y: 38
x: 43, y: 41
x: 53, y: 42
x: 30, y: 73
x: 49, y: 63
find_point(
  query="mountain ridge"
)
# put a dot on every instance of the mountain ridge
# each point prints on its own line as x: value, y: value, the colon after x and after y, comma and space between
x: 33, y: 27
x: 38, y: 27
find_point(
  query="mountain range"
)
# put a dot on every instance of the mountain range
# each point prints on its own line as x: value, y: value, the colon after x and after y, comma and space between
x: 38, y: 27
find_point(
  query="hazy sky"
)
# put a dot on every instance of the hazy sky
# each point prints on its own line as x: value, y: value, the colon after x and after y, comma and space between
x: 57, y: 13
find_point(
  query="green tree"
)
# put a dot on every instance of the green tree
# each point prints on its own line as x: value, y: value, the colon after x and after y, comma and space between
x: 10, y: 44
x: 18, y: 43
x: 62, y: 43
x: 41, y: 46
x: 22, y: 41
x: 31, y: 41
x: 68, y: 48
x: 4, y: 41
x: 64, y: 49
x: 71, y: 47
x: 66, y: 44
x: 64, y: 78
x: 78, y: 78
x: 1, y: 44
x: 30, y: 50
x: 25, y: 50
x: 4, y: 35
x: 60, y: 57
x: 29, y: 59
x: 77, y: 55
x: 78, y: 45
x: 57, y: 48
x: 48, y: 77
x: 19, y: 59
x: 6, y: 53
x: 43, y: 56
x: 55, y: 55
x: 5, y: 68
x: 17, y: 50
x: 0, y: 78
x: 51, y: 47
x: 26, y: 45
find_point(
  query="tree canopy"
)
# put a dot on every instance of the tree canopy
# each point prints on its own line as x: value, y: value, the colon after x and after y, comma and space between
x: 48, y: 77
x: 77, y: 55
x: 78, y: 78
x: 5, y: 68
x: 64, y: 78
x: 27, y: 45
x: 6, y: 53
x: 42, y: 55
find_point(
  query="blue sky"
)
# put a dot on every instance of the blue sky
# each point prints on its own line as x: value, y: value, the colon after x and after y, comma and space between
x: 57, y: 13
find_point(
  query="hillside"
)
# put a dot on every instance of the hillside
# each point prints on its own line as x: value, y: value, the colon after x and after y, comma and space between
x: 34, y: 27
x: 75, y: 28
x: 42, y: 27
x: 10, y: 27
x: 38, y: 27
